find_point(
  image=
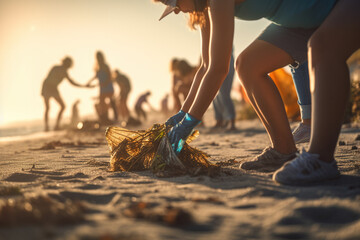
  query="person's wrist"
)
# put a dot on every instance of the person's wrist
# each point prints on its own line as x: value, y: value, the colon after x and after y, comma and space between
x: 193, y: 120
x: 181, y: 112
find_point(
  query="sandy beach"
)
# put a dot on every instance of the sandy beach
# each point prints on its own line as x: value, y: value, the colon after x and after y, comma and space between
x: 59, y: 187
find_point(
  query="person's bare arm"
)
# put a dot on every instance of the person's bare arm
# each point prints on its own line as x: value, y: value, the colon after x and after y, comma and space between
x: 216, y: 59
x: 73, y: 82
x: 90, y: 81
x: 205, y: 36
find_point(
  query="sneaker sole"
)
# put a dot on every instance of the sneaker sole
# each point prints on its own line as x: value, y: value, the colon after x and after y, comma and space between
x: 306, y: 184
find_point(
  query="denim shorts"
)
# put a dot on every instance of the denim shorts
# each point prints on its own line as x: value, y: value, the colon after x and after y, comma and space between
x: 291, y: 40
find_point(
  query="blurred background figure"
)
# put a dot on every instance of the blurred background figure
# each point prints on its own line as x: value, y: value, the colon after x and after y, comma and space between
x: 75, y: 116
x: 106, y: 96
x: 224, y: 109
x: 165, y: 105
x: 140, y: 112
x: 182, y: 77
x: 50, y: 89
x: 125, y: 87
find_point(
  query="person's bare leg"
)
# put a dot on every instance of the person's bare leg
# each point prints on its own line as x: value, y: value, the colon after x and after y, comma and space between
x: 103, y: 109
x: 114, y: 108
x: 177, y: 102
x: 329, y: 48
x: 253, y: 66
x: 61, y: 111
x: 46, y: 114
x: 232, y: 124
x: 125, y: 109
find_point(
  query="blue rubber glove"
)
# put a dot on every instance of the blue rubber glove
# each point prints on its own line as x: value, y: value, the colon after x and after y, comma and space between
x: 172, y: 121
x: 181, y: 131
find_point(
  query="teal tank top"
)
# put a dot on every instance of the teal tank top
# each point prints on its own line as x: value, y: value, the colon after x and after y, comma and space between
x: 287, y: 13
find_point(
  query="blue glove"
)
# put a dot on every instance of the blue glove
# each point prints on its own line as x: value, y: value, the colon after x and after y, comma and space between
x: 181, y: 131
x: 172, y: 121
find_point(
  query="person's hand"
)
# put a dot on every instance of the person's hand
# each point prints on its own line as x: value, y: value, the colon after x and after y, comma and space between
x: 181, y: 131
x: 172, y: 121
x: 89, y: 86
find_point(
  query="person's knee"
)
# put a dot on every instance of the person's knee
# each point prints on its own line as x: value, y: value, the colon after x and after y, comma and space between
x: 318, y: 46
x: 324, y: 48
x: 240, y: 66
x: 246, y: 69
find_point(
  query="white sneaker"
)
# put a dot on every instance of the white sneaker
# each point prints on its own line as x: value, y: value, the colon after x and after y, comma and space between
x: 306, y: 169
x: 302, y: 133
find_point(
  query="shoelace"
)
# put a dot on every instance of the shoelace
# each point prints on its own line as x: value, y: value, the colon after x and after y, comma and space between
x: 266, y: 154
x: 304, y: 161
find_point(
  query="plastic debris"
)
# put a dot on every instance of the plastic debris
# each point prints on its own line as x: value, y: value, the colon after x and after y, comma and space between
x: 150, y: 149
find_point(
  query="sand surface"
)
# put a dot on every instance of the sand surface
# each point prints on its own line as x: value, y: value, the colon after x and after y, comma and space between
x: 59, y: 187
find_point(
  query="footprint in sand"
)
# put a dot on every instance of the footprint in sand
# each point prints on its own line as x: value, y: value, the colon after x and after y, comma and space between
x: 140, y: 182
x: 90, y: 187
x: 101, y: 199
x: 75, y: 176
x: 22, y: 177
x: 259, y: 192
x: 292, y: 220
x: 329, y: 215
x: 291, y: 235
x: 50, y: 173
x: 246, y: 206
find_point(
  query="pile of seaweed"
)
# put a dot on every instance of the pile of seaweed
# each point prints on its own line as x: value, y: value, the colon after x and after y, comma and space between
x: 150, y: 149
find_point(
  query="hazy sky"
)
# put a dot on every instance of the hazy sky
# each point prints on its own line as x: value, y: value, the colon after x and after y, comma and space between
x: 36, y: 34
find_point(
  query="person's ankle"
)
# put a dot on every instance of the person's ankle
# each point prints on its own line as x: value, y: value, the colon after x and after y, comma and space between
x: 218, y: 123
x: 323, y: 157
x: 286, y: 151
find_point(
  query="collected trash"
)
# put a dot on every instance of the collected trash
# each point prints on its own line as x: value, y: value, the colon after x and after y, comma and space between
x: 141, y: 150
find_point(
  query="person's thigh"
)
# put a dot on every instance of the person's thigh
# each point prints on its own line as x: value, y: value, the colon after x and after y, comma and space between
x: 59, y: 99
x: 262, y: 58
x: 339, y: 34
x: 294, y: 41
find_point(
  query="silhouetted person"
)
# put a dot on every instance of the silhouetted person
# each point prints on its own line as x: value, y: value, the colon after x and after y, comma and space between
x: 140, y: 113
x: 164, y: 105
x: 183, y: 74
x: 125, y: 87
x: 103, y: 74
x: 50, y: 89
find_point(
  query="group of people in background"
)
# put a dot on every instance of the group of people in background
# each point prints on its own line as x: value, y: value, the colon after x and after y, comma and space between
x: 182, y: 76
x: 106, y: 97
